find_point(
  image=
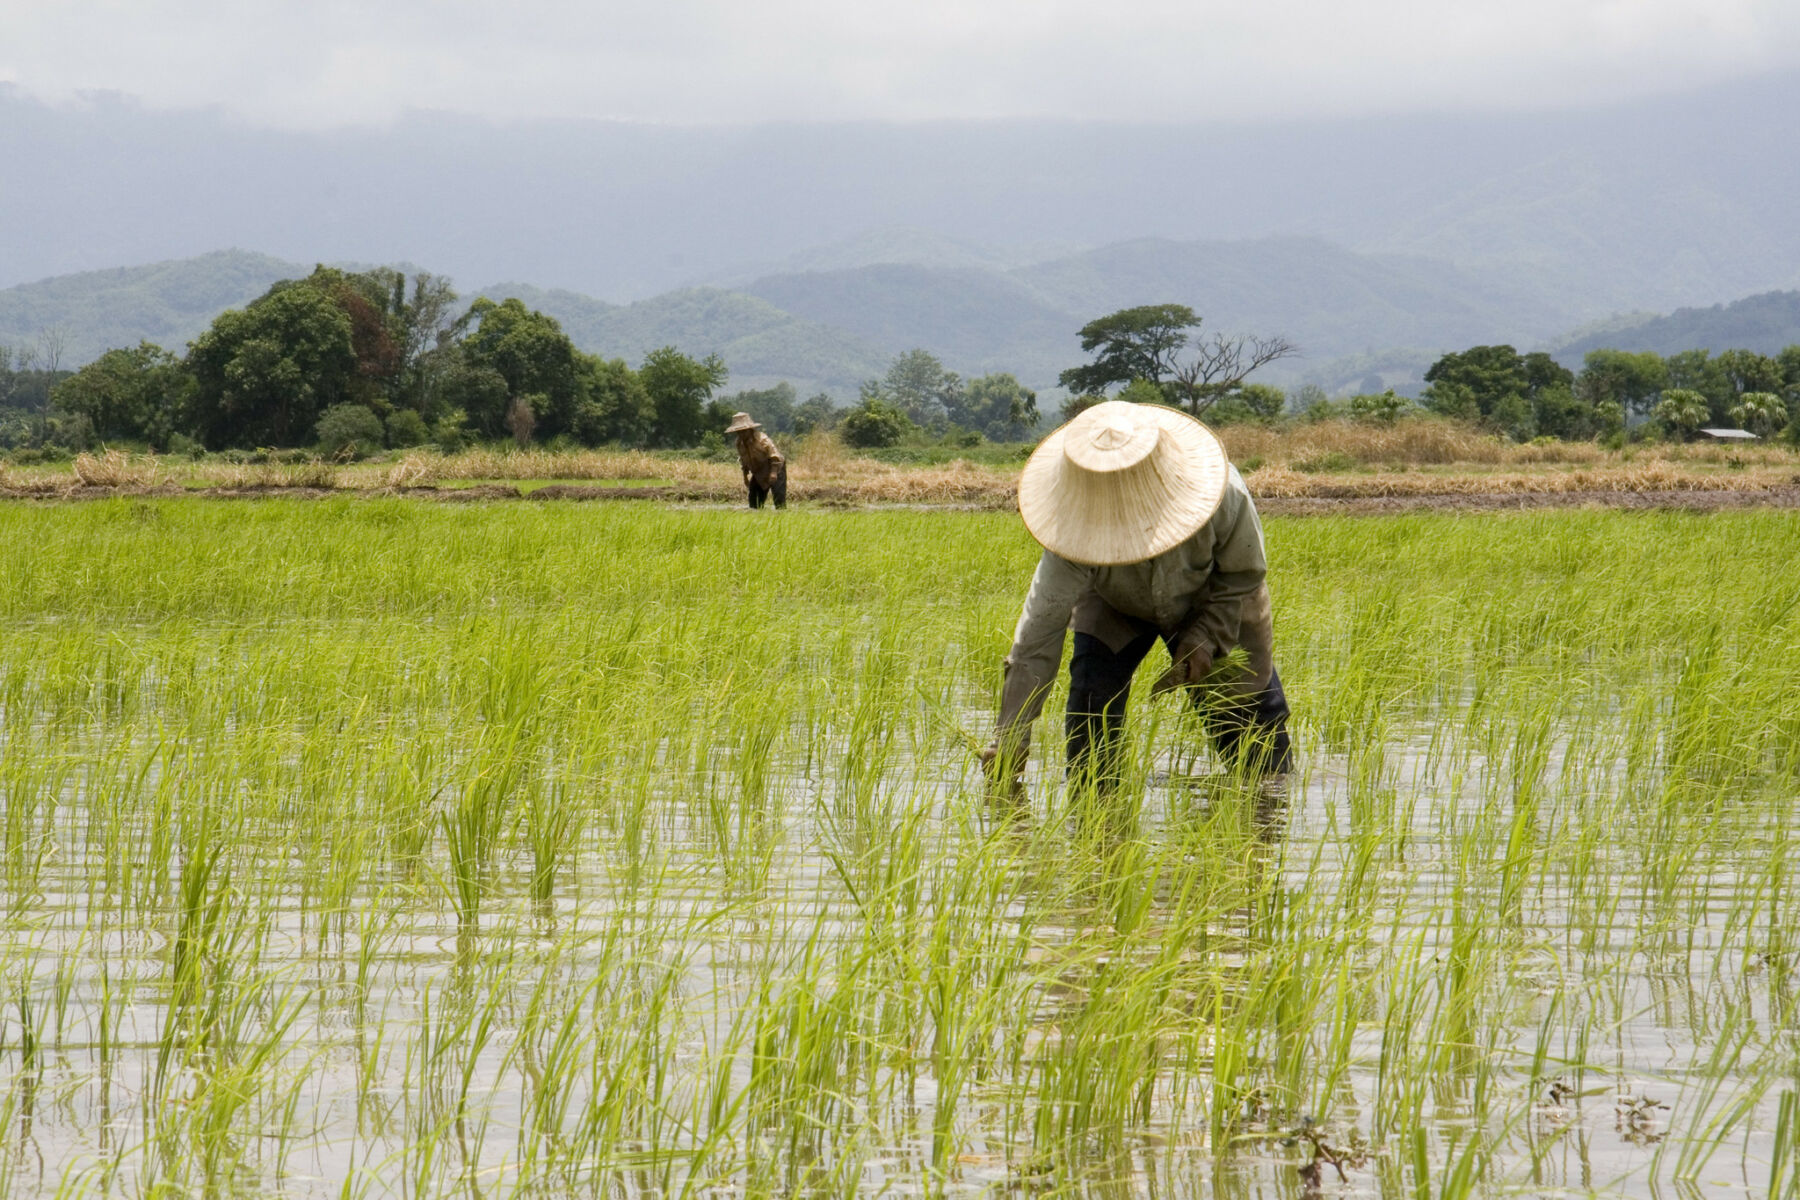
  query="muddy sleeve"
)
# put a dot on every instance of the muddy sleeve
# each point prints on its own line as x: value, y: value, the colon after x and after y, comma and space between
x: 1038, y: 647
x: 1239, y: 568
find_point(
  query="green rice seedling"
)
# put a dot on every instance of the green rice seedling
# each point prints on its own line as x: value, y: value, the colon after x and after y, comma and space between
x: 371, y: 840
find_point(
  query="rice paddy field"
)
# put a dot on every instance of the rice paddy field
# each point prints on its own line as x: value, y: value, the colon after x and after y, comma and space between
x: 367, y: 848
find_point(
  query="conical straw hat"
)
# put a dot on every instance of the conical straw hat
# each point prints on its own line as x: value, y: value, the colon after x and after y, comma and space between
x: 740, y: 422
x: 1122, y: 482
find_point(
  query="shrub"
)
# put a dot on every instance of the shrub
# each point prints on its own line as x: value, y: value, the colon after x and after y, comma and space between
x: 873, y: 424
x: 451, y: 434
x: 349, y: 429
x: 406, y: 428
x: 1326, y: 463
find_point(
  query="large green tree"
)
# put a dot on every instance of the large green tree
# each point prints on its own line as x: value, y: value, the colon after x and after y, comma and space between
x: 139, y: 394
x: 1630, y: 380
x: 679, y: 387
x: 614, y: 406
x: 917, y: 384
x: 530, y: 351
x: 1523, y: 395
x: 998, y: 406
x: 264, y: 374
x: 1133, y: 343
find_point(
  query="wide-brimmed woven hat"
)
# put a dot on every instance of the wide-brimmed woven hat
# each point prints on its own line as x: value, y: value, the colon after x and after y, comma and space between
x: 1122, y: 482
x: 741, y: 422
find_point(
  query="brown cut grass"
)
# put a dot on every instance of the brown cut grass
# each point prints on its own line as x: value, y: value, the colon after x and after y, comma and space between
x: 116, y: 469
x: 1331, y: 459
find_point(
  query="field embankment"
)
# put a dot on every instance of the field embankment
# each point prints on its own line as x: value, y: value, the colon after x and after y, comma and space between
x: 1329, y: 466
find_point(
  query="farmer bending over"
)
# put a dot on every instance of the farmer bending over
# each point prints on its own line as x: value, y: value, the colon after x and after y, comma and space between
x: 765, y: 471
x: 1148, y: 534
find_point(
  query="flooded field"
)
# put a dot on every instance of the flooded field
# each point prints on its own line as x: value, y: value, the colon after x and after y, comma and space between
x: 369, y: 848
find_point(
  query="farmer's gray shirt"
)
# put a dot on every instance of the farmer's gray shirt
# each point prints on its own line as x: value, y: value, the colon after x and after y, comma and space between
x: 1203, y: 583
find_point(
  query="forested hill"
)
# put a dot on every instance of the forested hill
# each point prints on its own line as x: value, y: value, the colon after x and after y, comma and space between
x: 830, y: 329
x: 761, y: 343
x: 1766, y: 324
x: 168, y: 303
x: 1353, y: 315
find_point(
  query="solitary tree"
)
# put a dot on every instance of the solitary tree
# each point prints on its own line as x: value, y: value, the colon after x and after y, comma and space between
x: 1133, y: 343
x: 1218, y: 366
x: 1152, y: 342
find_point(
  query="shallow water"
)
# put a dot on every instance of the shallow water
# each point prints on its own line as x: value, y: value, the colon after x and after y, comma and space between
x: 396, y: 851
x: 390, y: 1024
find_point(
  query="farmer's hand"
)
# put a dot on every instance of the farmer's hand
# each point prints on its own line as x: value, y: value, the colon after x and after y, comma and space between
x: 1002, y: 770
x: 1190, y: 664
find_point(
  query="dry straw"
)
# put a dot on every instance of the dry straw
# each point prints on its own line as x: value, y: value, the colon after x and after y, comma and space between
x: 115, y: 469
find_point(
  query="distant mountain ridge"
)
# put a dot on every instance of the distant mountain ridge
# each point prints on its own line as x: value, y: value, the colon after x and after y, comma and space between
x: 168, y: 303
x: 1360, y: 320
x: 1767, y: 323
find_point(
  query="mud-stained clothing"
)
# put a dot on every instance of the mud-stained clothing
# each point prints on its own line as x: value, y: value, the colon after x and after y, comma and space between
x: 1207, y: 592
x: 765, y: 471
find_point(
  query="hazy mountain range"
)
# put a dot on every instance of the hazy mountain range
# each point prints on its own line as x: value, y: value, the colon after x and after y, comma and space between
x: 816, y: 252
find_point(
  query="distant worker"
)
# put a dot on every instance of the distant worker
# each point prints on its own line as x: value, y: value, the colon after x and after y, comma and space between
x: 1149, y: 534
x: 765, y: 471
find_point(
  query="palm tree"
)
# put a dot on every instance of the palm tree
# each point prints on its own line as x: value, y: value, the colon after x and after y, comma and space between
x: 1681, y: 410
x: 1761, y: 412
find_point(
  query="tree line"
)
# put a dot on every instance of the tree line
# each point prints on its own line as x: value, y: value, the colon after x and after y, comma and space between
x: 360, y: 360
x: 1153, y: 353
x: 1532, y: 395
x: 366, y: 359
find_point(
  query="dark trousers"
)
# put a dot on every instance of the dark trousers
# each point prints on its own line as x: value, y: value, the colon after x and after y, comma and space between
x: 1249, y: 732
x: 777, y: 488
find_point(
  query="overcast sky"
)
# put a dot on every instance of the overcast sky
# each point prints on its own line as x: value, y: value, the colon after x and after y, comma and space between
x: 313, y: 63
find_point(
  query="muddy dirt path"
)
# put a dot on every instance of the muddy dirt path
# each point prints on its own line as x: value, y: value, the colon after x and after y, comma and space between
x: 976, y: 497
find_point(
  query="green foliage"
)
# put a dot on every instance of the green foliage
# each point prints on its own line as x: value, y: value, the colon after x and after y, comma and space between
x: 406, y: 428
x: 264, y: 375
x: 1266, y: 403
x: 772, y: 407
x: 1521, y: 395
x: 1132, y: 343
x: 615, y: 407
x: 917, y: 384
x: 679, y: 387
x: 1630, y: 381
x: 1762, y: 413
x: 1382, y: 408
x: 141, y: 394
x: 530, y: 352
x: 349, y: 430
x: 873, y: 423
x: 1696, y: 371
x: 1143, y: 391
x: 816, y: 412
x: 998, y: 406
x: 450, y: 433
x: 1682, y: 411
x: 1080, y: 402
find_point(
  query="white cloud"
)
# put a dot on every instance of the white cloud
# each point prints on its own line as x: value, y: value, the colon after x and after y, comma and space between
x: 335, y: 61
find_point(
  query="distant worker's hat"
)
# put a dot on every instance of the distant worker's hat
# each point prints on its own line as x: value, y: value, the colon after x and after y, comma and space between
x: 1122, y: 482
x: 740, y: 422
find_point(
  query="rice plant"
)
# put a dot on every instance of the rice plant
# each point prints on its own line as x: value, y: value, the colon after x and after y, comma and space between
x: 361, y: 847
